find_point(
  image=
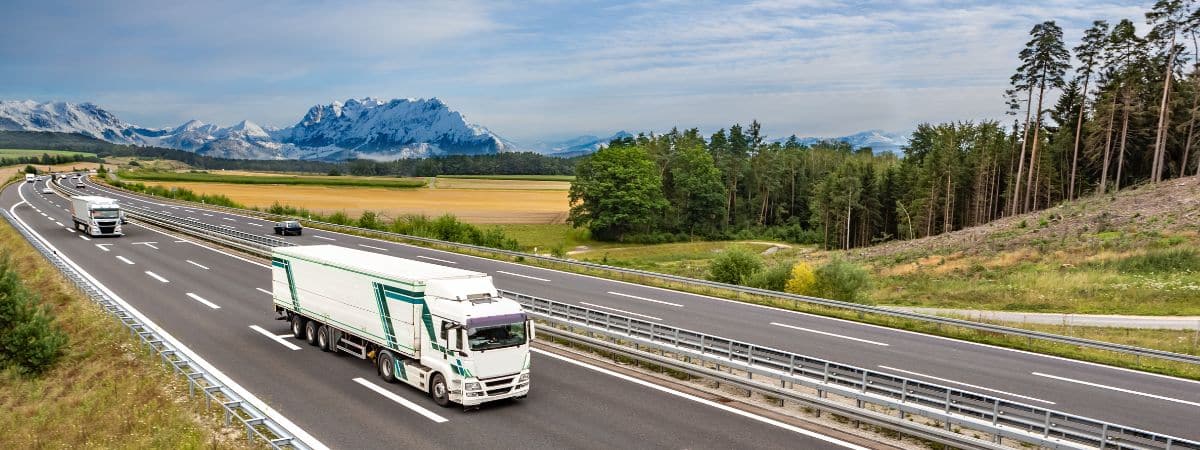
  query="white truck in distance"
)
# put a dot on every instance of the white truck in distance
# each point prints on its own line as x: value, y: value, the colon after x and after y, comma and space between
x: 29, y: 178
x: 96, y: 216
x: 443, y: 330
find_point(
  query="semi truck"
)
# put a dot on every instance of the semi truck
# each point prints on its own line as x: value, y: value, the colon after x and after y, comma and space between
x: 29, y: 178
x: 443, y: 330
x: 96, y: 216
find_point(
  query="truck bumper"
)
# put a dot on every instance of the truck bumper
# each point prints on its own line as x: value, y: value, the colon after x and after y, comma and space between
x: 473, y: 401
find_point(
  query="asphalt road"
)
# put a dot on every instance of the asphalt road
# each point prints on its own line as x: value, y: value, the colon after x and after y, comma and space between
x: 1148, y: 401
x: 177, y: 283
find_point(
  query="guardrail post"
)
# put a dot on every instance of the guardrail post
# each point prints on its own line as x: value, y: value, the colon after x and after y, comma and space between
x: 1046, y: 426
x: 1104, y: 436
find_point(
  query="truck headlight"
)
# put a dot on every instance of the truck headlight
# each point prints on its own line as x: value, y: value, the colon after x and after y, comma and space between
x: 472, y: 386
x: 524, y: 378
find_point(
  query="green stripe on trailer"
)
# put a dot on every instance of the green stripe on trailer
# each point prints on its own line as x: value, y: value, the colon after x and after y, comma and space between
x: 385, y: 315
x: 287, y: 267
x: 415, y: 298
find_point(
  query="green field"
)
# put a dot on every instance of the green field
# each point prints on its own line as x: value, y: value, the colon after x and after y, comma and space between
x: 514, y: 177
x: 25, y: 153
x: 207, y: 177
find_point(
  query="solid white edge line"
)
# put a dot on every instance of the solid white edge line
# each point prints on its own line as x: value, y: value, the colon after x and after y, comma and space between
x: 156, y: 277
x: 264, y: 291
x: 374, y: 247
x: 323, y: 237
x: 522, y: 276
x: 826, y: 333
x: 275, y: 337
x: 202, y: 300
x: 125, y: 260
x: 280, y: 419
x: 753, y: 305
x: 645, y: 299
x: 196, y: 264
x: 702, y: 401
x: 620, y: 311
x: 1026, y: 397
x: 1114, y: 388
x: 402, y: 401
x: 434, y: 259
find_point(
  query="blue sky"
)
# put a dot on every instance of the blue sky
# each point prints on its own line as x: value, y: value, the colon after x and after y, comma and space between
x: 533, y: 70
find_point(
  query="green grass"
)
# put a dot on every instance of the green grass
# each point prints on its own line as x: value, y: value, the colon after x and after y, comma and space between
x: 208, y: 177
x: 514, y: 177
x: 106, y: 391
x: 26, y: 153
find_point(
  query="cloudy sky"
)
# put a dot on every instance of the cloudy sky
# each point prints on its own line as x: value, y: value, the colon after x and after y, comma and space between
x: 532, y: 70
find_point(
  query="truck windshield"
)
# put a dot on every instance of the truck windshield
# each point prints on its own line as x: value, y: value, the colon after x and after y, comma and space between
x: 106, y: 213
x: 499, y: 336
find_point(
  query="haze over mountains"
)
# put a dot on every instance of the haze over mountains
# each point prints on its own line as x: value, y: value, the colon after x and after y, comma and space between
x: 365, y: 128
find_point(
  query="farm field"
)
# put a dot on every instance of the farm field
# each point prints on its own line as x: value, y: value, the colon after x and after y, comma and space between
x: 7, y: 172
x: 218, y: 177
x: 493, y: 205
x: 20, y: 153
x: 566, y: 178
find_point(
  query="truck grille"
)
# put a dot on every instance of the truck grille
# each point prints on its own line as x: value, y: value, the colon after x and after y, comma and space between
x: 503, y: 390
x: 505, y: 381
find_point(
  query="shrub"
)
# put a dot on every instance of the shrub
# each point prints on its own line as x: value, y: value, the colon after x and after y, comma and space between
x: 29, y: 340
x: 734, y: 266
x: 1160, y: 261
x: 842, y: 280
x: 369, y: 220
x: 802, y: 281
x: 30, y: 169
x: 774, y: 278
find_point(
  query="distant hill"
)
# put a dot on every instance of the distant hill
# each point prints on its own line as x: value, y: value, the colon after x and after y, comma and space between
x: 878, y: 140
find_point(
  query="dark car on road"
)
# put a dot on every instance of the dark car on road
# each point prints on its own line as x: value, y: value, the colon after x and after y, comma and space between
x: 288, y: 227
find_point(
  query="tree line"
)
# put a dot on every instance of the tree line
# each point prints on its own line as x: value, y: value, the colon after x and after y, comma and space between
x: 1117, y: 110
x: 47, y: 159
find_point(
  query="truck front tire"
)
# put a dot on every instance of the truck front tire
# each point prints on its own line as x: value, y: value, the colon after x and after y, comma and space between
x: 385, y: 363
x: 297, y: 326
x: 439, y: 391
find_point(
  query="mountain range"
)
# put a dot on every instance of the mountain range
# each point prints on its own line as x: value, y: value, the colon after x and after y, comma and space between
x: 366, y: 128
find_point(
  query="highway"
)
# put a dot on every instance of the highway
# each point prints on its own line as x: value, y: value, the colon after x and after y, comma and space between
x: 216, y: 303
x: 1152, y: 402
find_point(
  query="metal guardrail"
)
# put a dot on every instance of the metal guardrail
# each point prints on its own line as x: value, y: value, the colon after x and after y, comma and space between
x: 871, y: 391
x: 257, y: 424
x: 978, y: 326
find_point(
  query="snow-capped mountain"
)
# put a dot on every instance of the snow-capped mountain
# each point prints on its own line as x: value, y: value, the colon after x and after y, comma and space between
x: 577, y: 146
x: 359, y: 128
x: 878, y: 140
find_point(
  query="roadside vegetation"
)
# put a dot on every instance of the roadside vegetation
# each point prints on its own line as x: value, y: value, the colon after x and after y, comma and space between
x: 102, y: 390
x: 42, y: 156
x: 208, y: 177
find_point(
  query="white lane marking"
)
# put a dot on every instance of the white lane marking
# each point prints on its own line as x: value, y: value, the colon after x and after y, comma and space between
x: 84, y: 237
x: 1114, y: 388
x: 196, y: 264
x: 620, y: 311
x: 264, y: 291
x: 156, y: 277
x: 374, y: 247
x: 205, y: 247
x: 148, y: 244
x: 229, y: 219
x: 255, y: 224
x: 645, y: 299
x: 522, y: 276
x: 325, y: 238
x: 226, y: 226
x: 104, y: 247
x: 1026, y: 397
x: 826, y: 333
x: 43, y: 214
x: 49, y: 218
x: 70, y: 229
x: 125, y: 260
x: 202, y: 300
x: 207, y: 214
x: 702, y: 401
x: 284, y: 336
x: 181, y: 240
x: 59, y: 224
x: 402, y: 401
x: 435, y: 259
x: 282, y: 420
x: 189, y: 211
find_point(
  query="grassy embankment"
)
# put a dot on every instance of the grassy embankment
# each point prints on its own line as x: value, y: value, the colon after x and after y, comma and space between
x: 106, y: 391
x: 26, y: 153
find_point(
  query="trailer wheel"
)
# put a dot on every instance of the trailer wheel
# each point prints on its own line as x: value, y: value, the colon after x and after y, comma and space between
x: 385, y: 363
x: 323, y: 338
x: 297, y: 326
x: 310, y: 332
x: 438, y: 390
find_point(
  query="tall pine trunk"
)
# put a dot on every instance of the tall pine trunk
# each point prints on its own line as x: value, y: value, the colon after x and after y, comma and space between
x: 1037, y: 123
x: 1112, y: 116
x: 1078, y: 131
x: 1160, y: 135
x: 1021, y: 164
x: 1124, y: 135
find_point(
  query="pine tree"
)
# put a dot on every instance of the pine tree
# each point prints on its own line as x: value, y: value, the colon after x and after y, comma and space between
x: 1044, y: 62
x: 1088, y: 51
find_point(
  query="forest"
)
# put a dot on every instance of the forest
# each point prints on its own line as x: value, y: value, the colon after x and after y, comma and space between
x: 1118, y: 109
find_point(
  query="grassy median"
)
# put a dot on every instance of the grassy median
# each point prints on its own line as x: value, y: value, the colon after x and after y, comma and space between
x: 105, y: 391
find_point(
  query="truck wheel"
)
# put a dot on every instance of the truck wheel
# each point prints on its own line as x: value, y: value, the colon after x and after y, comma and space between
x: 297, y: 326
x: 386, y: 366
x: 323, y: 338
x: 310, y: 332
x: 438, y: 390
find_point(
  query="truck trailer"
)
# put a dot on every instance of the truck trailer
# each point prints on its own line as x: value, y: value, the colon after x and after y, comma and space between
x: 96, y: 216
x: 443, y: 330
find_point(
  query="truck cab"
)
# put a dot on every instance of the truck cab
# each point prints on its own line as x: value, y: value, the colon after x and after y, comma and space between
x: 29, y: 178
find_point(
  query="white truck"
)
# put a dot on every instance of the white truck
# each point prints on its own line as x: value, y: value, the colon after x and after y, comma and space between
x: 443, y: 330
x: 96, y: 216
x: 29, y: 178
